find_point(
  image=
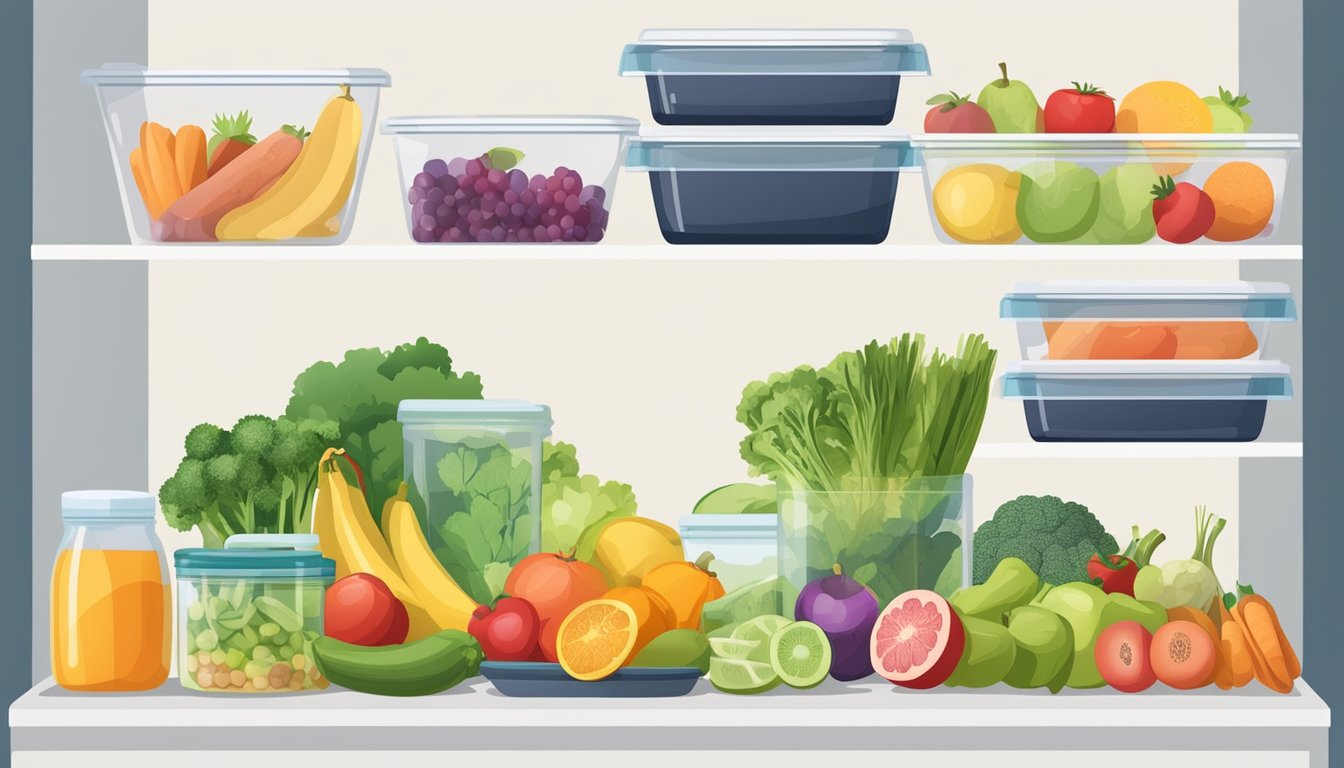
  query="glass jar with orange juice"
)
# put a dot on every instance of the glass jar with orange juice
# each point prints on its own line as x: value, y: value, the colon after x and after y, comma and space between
x: 110, y: 596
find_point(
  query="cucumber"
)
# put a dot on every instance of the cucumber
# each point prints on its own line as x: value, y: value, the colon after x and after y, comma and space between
x: 429, y: 665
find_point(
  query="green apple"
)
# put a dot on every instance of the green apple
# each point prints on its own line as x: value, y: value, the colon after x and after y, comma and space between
x: 1011, y: 105
x: 1228, y: 110
x: 1125, y: 205
x: 1057, y: 201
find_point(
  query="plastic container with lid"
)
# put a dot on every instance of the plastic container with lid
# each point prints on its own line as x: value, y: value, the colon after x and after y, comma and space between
x: 110, y: 598
x: 1083, y: 189
x: 1150, y: 320
x: 774, y: 76
x: 169, y: 131
x: 509, y: 178
x: 773, y: 185
x: 247, y: 614
x: 744, y: 546
x: 474, y: 470
x: 1133, y: 400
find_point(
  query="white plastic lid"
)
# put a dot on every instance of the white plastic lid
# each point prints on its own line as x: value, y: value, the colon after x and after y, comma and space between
x: 773, y: 148
x: 132, y: 505
x: 758, y: 36
x: 283, y: 541
x: 1065, y: 142
x: 137, y: 75
x: 1152, y: 299
x: 468, y: 412
x: 511, y: 124
x: 1146, y: 380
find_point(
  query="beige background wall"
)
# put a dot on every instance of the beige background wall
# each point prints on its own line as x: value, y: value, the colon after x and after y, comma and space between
x: 643, y: 362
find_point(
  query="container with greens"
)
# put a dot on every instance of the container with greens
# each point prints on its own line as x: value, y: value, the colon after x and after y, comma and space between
x: 869, y: 453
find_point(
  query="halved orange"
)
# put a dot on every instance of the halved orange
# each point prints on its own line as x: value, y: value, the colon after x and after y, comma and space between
x: 596, y: 638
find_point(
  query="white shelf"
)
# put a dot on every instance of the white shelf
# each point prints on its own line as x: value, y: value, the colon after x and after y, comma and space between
x: 832, y: 716
x: 1253, y: 450
x: 665, y: 252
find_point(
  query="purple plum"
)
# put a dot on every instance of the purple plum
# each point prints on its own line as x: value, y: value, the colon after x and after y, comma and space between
x: 846, y: 611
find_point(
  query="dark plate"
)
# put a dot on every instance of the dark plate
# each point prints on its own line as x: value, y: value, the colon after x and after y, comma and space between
x: 532, y: 678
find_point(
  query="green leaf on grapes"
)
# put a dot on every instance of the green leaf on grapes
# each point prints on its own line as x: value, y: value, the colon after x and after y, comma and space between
x: 504, y: 158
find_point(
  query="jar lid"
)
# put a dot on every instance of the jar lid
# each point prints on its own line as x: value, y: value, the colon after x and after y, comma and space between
x: 271, y: 555
x: 470, y: 412
x: 112, y: 505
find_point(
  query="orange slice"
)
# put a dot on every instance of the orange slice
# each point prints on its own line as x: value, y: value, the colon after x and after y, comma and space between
x: 596, y: 638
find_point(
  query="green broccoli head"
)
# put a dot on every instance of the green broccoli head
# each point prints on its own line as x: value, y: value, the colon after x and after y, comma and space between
x: 1055, y: 537
x: 206, y: 441
x: 252, y: 436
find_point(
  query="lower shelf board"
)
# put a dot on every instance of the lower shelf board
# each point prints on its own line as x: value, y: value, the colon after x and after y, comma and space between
x: 833, y: 716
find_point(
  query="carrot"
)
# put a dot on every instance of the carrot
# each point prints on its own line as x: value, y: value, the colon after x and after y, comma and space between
x: 1186, y: 613
x: 142, y: 183
x: 1240, y: 666
x: 1269, y: 662
x: 193, y: 218
x: 1278, y: 651
x: 189, y: 156
x: 157, y: 143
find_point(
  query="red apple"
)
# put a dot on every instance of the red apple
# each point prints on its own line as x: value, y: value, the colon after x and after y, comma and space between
x: 954, y: 113
x: 507, y: 630
x: 361, y: 610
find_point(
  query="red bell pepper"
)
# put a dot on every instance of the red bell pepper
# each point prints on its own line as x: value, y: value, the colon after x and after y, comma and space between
x: 1115, y: 573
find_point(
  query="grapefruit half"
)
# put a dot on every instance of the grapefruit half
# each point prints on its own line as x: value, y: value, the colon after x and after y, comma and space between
x: 918, y: 640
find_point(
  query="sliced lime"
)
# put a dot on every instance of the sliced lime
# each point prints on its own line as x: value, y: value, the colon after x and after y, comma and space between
x: 800, y: 654
x: 741, y: 676
x: 760, y: 629
x: 732, y: 648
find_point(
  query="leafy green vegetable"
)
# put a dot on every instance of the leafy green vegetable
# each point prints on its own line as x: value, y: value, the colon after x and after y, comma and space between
x: 1055, y: 537
x: 871, y: 446
x: 574, y: 503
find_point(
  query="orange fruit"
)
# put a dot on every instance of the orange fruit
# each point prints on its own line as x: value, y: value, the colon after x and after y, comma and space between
x: 1163, y: 107
x: 653, y: 615
x: 686, y: 587
x: 596, y: 638
x: 1243, y: 201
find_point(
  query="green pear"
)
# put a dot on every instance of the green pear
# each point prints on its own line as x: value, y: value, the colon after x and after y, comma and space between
x: 1011, y: 105
x: 1228, y: 110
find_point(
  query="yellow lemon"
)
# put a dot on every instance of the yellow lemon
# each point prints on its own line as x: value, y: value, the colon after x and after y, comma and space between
x: 978, y: 203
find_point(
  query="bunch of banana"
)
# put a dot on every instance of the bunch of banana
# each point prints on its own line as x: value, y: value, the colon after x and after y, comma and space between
x: 305, y: 201
x: 347, y: 534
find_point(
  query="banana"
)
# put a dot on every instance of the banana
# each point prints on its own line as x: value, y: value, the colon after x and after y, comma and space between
x: 445, y: 601
x: 306, y: 199
x: 359, y: 547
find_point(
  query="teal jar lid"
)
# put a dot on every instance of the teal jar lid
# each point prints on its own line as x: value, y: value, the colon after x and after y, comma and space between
x: 258, y: 556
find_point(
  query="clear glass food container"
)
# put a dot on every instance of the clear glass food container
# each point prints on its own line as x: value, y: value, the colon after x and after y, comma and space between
x: 773, y: 185
x: 1149, y: 320
x: 110, y: 598
x: 774, y: 76
x: 895, y: 536
x: 1135, y: 400
x: 1083, y: 189
x: 247, y: 614
x: 509, y: 178
x: 474, y: 471
x: 222, y: 156
x: 745, y: 547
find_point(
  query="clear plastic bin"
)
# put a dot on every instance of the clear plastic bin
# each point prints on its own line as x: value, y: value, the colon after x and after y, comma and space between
x: 1128, y: 401
x: 247, y: 614
x: 1151, y: 320
x: 474, y: 470
x: 205, y: 156
x: 774, y: 76
x: 780, y: 185
x: 509, y: 178
x: 745, y: 547
x: 1098, y: 188
x: 915, y: 536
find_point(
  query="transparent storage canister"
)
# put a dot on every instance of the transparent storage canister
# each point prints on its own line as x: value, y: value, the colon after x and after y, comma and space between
x: 110, y: 599
x: 474, y: 470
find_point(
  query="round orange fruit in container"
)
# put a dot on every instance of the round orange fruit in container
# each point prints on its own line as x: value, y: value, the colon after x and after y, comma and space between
x: 596, y: 638
x: 1243, y: 201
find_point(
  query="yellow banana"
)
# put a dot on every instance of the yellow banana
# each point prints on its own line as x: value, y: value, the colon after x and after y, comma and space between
x: 307, y: 197
x: 359, y: 545
x: 438, y: 593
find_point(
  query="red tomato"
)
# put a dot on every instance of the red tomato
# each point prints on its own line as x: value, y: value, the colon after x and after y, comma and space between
x: 1183, y: 212
x: 360, y: 609
x: 508, y: 630
x: 1081, y: 109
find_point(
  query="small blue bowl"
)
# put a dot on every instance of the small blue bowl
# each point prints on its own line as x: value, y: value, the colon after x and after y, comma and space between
x: 531, y: 678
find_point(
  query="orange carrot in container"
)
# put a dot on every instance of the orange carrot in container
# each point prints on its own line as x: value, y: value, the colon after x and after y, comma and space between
x: 157, y: 143
x: 141, y: 174
x: 189, y: 156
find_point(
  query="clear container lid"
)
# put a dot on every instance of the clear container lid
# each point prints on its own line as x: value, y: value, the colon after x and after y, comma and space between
x: 1147, y: 380
x: 1064, y: 143
x: 471, y: 412
x: 107, y: 505
x: 513, y: 124
x: 138, y: 75
x: 257, y: 556
x: 774, y: 52
x: 784, y: 148
x: 1149, y: 300
x: 756, y: 525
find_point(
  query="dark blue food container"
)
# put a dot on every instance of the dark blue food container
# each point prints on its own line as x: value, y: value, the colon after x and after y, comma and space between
x: 539, y: 679
x: 773, y: 186
x: 1147, y: 402
x: 774, y: 76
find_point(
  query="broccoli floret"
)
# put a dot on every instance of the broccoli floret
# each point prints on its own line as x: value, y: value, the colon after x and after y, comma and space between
x: 1055, y: 537
x: 205, y: 441
x: 252, y: 436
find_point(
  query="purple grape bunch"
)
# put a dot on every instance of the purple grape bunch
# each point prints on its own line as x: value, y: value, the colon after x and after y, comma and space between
x: 470, y: 201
